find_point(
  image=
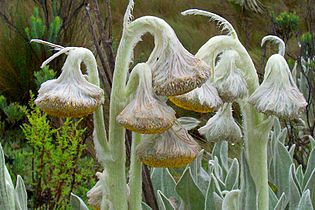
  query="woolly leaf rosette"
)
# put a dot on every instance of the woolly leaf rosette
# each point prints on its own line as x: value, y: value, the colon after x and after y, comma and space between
x: 146, y: 113
x: 278, y: 94
x: 222, y: 126
x: 228, y: 78
x: 71, y: 95
x: 204, y: 99
x: 171, y: 149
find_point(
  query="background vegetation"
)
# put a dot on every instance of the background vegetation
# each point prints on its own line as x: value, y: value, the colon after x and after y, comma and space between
x: 36, y: 145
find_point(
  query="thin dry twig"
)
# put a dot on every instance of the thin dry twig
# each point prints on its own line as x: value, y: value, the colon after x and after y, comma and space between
x: 106, y: 41
x: 107, y: 78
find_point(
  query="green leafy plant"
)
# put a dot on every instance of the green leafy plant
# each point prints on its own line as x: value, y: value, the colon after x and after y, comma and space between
x: 38, y: 29
x: 56, y: 160
x: 11, y: 115
x: 286, y: 24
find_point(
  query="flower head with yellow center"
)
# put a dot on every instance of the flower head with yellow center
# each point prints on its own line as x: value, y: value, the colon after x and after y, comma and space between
x: 71, y: 94
x: 203, y: 99
x: 173, y: 148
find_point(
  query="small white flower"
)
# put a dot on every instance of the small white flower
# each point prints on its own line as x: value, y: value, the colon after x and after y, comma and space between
x: 146, y: 113
x: 222, y: 127
x: 228, y: 78
x: 278, y: 94
x: 70, y: 95
x: 204, y: 99
x: 173, y: 148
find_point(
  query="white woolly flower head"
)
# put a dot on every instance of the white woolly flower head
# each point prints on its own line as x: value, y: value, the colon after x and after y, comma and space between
x: 222, y: 126
x: 204, y: 99
x: 228, y: 78
x: 70, y: 95
x: 173, y: 148
x: 175, y: 71
x: 146, y: 113
x: 278, y: 94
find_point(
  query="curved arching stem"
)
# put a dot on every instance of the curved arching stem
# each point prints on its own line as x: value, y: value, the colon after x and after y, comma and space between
x: 275, y: 40
x: 99, y: 133
x: 140, y: 72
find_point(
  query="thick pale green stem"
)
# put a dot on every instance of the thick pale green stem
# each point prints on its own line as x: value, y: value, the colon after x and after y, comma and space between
x: 135, y: 182
x: 116, y: 180
x: 256, y: 132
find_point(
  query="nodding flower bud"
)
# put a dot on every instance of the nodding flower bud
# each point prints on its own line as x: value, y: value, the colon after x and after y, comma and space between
x: 222, y: 127
x: 204, y: 99
x: 173, y: 148
x: 278, y: 94
x: 71, y: 95
x: 146, y: 113
x: 228, y: 79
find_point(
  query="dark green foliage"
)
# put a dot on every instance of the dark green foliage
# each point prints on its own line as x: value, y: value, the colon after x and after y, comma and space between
x: 10, y: 117
x: 38, y: 29
x: 287, y: 24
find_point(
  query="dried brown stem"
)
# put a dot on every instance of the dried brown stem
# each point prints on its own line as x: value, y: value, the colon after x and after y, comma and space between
x: 106, y: 41
x: 106, y: 77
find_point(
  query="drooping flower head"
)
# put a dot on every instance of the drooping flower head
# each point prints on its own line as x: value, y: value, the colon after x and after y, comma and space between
x: 204, y: 99
x: 228, y: 78
x: 175, y: 71
x: 222, y: 126
x: 278, y: 94
x: 71, y: 94
x: 173, y: 148
x: 146, y: 113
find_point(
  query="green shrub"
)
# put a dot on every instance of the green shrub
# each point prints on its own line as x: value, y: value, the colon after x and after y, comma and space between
x: 287, y: 24
x: 56, y: 159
